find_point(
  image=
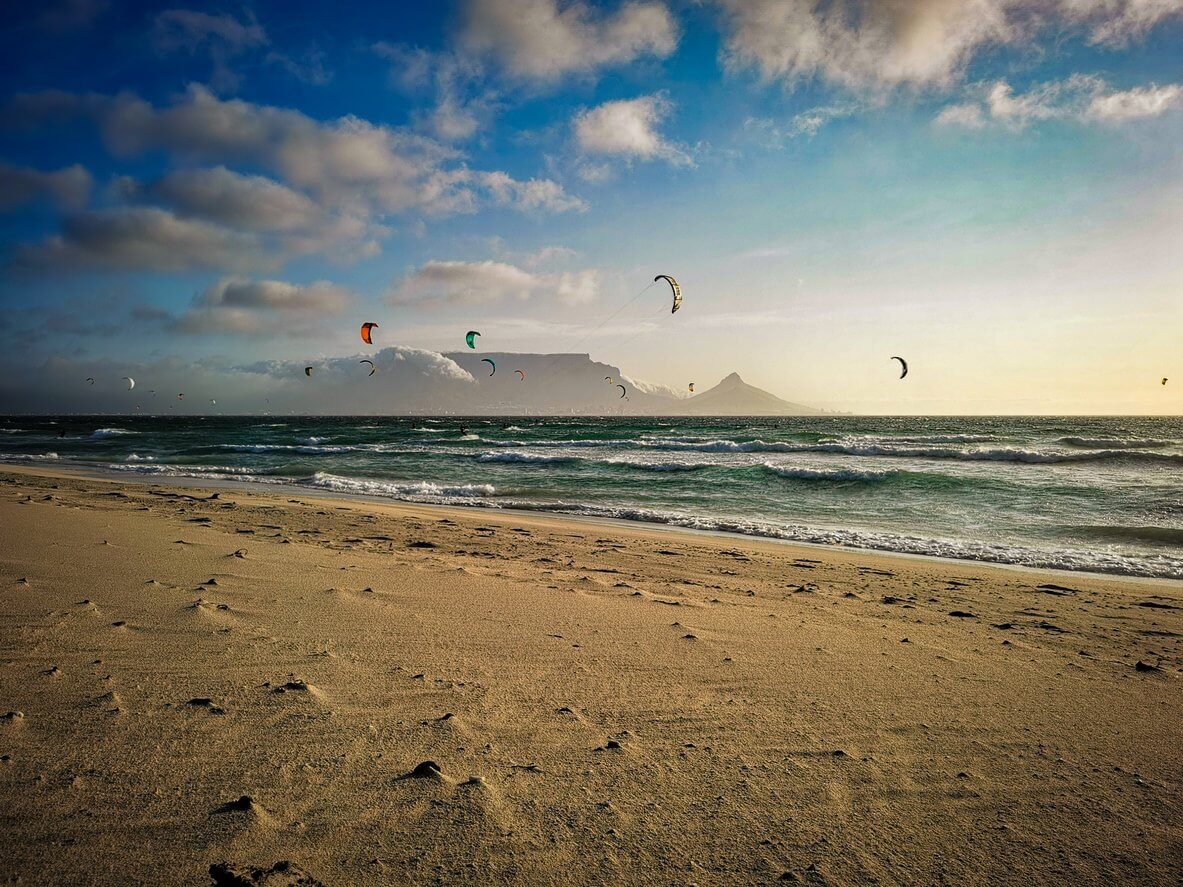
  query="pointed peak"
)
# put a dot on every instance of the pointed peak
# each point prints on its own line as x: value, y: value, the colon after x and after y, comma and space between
x: 732, y: 379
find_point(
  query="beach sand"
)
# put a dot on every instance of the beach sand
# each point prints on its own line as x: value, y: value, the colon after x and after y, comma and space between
x: 193, y: 677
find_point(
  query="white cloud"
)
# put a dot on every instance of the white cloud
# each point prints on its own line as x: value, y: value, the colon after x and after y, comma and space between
x: 134, y: 238
x: 1117, y: 22
x: 530, y: 196
x: 349, y: 172
x: 68, y: 188
x: 349, y: 164
x: 1148, y: 101
x: 1081, y: 97
x: 874, y: 45
x: 392, y: 363
x: 923, y: 42
x: 489, y: 281
x: 967, y: 115
x: 807, y: 123
x: 543, y: 40
x: 627, y: 129
x: 237, y: 305
x: 241, y: 201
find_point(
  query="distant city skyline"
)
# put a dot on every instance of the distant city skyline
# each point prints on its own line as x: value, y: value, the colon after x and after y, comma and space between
x: 213, y: 196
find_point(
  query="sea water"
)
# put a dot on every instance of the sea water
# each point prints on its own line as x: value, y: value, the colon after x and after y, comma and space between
x: 1097, y: 494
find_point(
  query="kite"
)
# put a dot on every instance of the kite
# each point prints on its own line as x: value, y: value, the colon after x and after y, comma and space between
x: 521, y: 375
x: 470, y: 337
x: 308, y: 371
x: 903, y: 364
x: 90, y: 379
x: 490, y: 363
x: 365, y: 332
x: 608, y: 379
x: 675, y: 286
x: 623, y: 390
x: 373, y: 369
x: 181, y: 396
x: 131, y: 383
x: 691, y: 387
x: 1164, y: 380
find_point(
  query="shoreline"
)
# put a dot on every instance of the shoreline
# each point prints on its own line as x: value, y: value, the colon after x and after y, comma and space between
x: 67, y: 469
x: 402, y: 693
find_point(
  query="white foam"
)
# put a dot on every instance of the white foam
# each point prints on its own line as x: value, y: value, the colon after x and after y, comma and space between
x: 523, y: 458
x: 837, y: 474
x: 412, y: 491
x: 111, y: 432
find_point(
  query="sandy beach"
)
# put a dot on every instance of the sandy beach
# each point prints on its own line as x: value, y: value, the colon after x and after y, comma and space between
x: 398, y: 693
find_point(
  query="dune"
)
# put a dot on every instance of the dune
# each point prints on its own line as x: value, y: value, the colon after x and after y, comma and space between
x: 402, y: 694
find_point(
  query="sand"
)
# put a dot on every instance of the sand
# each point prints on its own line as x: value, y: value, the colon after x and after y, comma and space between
x: 301, y: 690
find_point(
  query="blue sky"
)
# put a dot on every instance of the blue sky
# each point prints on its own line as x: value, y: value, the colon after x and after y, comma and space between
x: 991, y: 187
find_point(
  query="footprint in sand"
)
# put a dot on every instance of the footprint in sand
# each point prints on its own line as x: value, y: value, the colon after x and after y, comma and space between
x: 425, y: 770
x: 206, y: 703
x: 247, y: 807
x: 282, y: 874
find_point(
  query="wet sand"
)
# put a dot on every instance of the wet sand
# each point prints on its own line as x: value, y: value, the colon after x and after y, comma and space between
x: 396, y: 693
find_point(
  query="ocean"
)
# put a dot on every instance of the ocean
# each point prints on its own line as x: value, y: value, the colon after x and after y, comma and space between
x: 1096, y: 494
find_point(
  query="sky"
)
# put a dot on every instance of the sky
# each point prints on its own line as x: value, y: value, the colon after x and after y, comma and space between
x: 215, y: 195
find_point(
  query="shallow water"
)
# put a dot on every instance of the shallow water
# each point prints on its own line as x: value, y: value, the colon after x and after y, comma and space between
x: 1099, y: 494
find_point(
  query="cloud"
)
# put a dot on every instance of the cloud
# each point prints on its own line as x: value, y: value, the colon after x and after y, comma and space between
x: 543, y: 41
x: 490, y: 281
x: 1132, y: 104
x: 68, y: 188
x: 1118, y: 22
x: 535, y: 195
x: 408, y: 380
x: 348, y: 164
x: 407, y: 363
x: 240, y: 201
x: 138, y: 238
x: 222, y: 36
x: 237, y: 305
x: 873, y: 45
x: 463, y: 105
x: 1081, y: 98
x: 772, y: 134
x: 627, y: 129
x: 334, y: 181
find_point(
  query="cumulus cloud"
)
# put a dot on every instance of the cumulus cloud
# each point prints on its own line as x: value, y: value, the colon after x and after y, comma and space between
x: 1082, y: 98
x: 867, y: 44
x: 627, y: 129
x: 544, y: 40
x: 490, y: 281
x: 222, y: 36
x: 136, y: 238
x: 349, y: 164
x: 238, y: 305
x: 334, y: 179
x: 241, y: 201
x: 68, y: 188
